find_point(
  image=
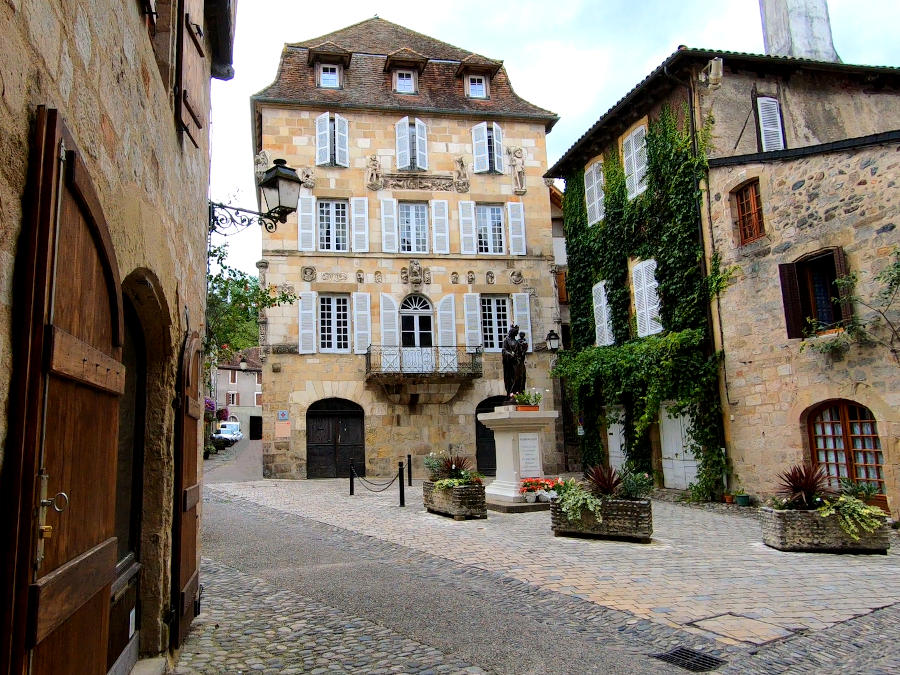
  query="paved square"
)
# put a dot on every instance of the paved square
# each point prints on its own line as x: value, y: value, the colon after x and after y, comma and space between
x: 743, y: 629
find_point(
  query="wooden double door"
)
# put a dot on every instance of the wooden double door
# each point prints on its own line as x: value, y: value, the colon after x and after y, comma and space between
x: 335, y: 437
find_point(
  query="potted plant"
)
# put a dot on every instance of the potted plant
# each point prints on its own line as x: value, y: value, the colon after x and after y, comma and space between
x: 528, y: 400
x: 869, y: 493
x: 453, y: 488
x: 530, y: 487
x: 728, y: 497
x: 808, y: 516
x: 609, y: 505
x: 741, y: 498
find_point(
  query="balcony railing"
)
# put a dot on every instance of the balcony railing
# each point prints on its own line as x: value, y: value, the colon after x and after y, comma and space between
x: 442, y: 362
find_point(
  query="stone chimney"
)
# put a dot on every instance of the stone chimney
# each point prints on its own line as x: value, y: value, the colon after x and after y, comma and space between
x: 798, y: 28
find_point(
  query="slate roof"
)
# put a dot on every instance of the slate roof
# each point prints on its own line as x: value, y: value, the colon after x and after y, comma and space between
x: 683, y: 56
x: 367, y: 86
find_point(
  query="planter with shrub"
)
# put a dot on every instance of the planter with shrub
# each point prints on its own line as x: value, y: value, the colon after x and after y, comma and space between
x: 453, y: 489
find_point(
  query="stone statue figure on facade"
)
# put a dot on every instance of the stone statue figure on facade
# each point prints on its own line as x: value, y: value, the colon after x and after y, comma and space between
x: 374, y: 175
x: 513, y: 356
x: 517, y: 168
x: 260, y: 163
x: 460, y: 175
x: 307, y: 178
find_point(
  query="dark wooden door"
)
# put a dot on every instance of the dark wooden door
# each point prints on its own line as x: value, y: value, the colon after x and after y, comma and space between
x: 186, y: 523
x: 485, y: 448
x: 255, y: 427
x: 334, y: 438
x: 64, y: 428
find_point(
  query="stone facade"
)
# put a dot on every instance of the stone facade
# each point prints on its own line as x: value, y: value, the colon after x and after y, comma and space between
x: 413, y: 414
x: 110, y: 77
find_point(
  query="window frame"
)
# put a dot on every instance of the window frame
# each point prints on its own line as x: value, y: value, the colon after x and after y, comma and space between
x: 339, y: 75
x: 798, y: 293
x: 414, y: 232
x: 257, y: 398
x: 491, y: 235
x: 335, y: 330
x: 750, y: 224
x: 332, y: 225
x: 485, y: 84
x: 491, y: 323
x: 413, y: 78
x: 231, y: 398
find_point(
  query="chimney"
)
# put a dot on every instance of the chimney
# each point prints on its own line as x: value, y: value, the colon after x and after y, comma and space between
x: 798, y: 28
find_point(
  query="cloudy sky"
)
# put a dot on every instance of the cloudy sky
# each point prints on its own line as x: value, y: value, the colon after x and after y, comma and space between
x: 574, y: 57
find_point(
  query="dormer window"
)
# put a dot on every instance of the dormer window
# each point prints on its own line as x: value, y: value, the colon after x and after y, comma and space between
x: 476, y: 86
x: 329, y: 76
x: 405, y: 81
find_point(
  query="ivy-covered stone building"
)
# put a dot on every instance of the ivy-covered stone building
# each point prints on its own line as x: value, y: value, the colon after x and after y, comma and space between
x: 708, y: 215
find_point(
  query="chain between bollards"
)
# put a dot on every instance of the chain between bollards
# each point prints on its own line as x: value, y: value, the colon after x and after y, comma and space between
x: 400, y: 476
x: 409, y: 470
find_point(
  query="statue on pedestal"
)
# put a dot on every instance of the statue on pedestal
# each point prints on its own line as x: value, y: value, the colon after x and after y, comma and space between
x: 513, y: 354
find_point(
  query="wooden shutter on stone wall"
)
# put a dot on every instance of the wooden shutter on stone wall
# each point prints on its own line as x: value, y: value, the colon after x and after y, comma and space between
x: 498, y: 149
x: 191, y: 83
x: 362, y: 323
x: 440, y: 226
x: 359, y: 216
x: 522, y: 315
x: 472, y: 308
x: 771, y: 132
x: 480, y: 147
x: 323, y: 139
x: 389, y: 234
x: 341, y: 141
x: 421, y: 144
x: 307, y: 342
x: 844, y: 293
x: 516, y: 216
x: 401, y: 130
x: 306, y: 223
x: 790, y: 296
x: 467, y: 245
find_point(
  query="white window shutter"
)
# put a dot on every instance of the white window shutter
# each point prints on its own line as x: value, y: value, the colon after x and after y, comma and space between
x: 307, y: 343
x: 472, y: 307
x: 323, y: 139
x: 602, y: 319
x: 770, y: 127
x: 306, y: 223
x: 401, y: 128
x: 498, y: 148
x: 362, y: 323
x: 467, y: 245
x: 389, y: 235
x: 640, y: 299
x: 440, y: 225
x: 359, y: 214
x: 448, y: 361
x: 522, y: 315
x: 516, y: 214
x: 650, y: 284
x: 640, y: 159
x: 590, y: 195
x: 628, y: 161
x: 341, y: 141
x: 421, y: 144
x: 480, y: 147
x: 390, y: 334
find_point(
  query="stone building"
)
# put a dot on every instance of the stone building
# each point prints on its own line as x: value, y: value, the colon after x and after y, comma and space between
x: 423, y: 232
x: 104, y: 107
x: 238, y: 387
x: 803, y: 160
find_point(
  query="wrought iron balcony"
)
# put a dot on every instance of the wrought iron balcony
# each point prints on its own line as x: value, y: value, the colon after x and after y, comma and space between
x: 423, y: 364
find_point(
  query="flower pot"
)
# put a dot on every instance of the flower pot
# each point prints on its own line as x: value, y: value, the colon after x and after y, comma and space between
x: 620, y: 519
x: 530, y: 497
x: 742, y: 500
x: 464, y: 501
x: 729, y: 499
x: 528, y: 408
x: 808, y: 531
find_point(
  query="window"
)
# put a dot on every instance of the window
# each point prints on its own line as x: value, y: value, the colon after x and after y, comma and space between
x: 646, y: 300
x: 257, y: 399
x: 405, y: 81
x: 771, y: 132
x: 332, y: 140
x: 489, y: 229
x: 232, y: 398
x: 334, y: 323
x: 415, y: 322
x: 602, y: 318
x: 495, y: 321
x: 487, y: 146
x: 844, y: 441
x: 562, y: 292
x: 634, y: 152
x: 748, y: 209
x: 413, y: 228
x: 333, y: 230
x: 812, y: 301
x: 412, y: 144
x: 232, y: 376
x: 329, y: 76
x: 258, y: 377
x: 593, y: 192
x: 476, y: 86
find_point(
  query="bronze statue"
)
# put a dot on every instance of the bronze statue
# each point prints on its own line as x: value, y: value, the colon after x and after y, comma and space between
x: 513, y: 354
x: 521, y: 351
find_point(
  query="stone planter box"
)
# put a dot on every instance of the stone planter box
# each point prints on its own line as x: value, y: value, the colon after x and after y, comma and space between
x: 808, y: 531
x: 622, y: 519
x: 465, y: 501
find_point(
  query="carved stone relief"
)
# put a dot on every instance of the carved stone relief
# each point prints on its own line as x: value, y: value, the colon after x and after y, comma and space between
x: 516, y: 277
x: 374, y: 175
x: 417, y: 181
x: 549, y: 182
x: 454, y: 277
x: 470, y: 277
x: 404, y: 275
x: 334, y: 276
x: 308, y: 273
x: 461, y: 175
x: 517, y: 168
x: 415, y: 272
x: 426, y: 274
x: 489, y: 277
x: 307, y: 177
x: 261, y: 163
x: 360, y: 276
x: 286, y: 287
x: 379, y: 277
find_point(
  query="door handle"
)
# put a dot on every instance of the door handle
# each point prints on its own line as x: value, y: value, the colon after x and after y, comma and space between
x: 53, y: 502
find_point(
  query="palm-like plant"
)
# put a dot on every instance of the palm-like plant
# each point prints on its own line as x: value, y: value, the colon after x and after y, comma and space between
x: 803, y: 486
x: 454, y: 466
x: 603, y: 481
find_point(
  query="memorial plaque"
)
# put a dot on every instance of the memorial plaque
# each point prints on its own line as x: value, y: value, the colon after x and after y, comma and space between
x: 282, y: 429
x: 529, y: 457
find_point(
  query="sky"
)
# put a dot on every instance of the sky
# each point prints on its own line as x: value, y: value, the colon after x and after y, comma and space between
x: 574, y: 57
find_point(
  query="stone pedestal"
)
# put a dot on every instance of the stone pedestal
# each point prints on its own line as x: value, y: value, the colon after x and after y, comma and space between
x: 517, y: 437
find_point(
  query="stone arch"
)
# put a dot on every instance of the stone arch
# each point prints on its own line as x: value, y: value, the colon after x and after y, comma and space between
x: 335, y: 438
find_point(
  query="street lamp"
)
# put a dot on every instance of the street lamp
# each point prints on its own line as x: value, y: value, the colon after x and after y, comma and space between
x: 552, y: 341
x: 280, y: 187
x: 243, y: 363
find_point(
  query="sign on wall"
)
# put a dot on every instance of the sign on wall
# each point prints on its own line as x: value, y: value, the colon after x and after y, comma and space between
x: 529, y: 456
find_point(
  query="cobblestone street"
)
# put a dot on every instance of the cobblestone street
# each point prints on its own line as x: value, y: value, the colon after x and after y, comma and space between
x: 301, y: 577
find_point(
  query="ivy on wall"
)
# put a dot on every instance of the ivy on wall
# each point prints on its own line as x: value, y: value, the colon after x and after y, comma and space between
x: 678, y: 365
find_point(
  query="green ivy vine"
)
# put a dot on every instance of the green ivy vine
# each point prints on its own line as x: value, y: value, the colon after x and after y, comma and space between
x: 679, y: 365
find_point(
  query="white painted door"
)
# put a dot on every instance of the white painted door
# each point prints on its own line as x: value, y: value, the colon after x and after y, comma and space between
x: 679, y: 465
x: 615, y: 435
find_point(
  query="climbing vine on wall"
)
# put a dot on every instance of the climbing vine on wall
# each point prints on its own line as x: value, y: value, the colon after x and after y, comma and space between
x: 678, y: 365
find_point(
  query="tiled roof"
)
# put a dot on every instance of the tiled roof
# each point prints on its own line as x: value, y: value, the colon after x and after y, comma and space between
x: 685, y: 54
x: 367, y: 86
x: 252, y: 356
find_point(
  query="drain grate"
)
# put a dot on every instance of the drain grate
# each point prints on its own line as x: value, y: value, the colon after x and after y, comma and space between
x: 689, y: 659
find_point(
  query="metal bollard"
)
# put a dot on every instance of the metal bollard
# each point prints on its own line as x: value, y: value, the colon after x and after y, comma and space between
x: 351, y: 479
x: 400, y: 476
x: 409, y: 470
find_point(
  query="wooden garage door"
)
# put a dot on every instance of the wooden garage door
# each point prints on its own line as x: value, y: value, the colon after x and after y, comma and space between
x: 334, y: 438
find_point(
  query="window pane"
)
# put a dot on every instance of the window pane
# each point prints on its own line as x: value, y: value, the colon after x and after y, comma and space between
x: 405, y: 83
x: 329, y: 76
x: 326, y: 333
x: 324, y: 226
x: 489, y: 228
x: 476, y: 87
x: 341, y: 238
x: 342, y: 322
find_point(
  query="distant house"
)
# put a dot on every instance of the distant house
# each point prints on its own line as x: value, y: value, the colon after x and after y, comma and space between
x: 238, y: 387
x: 800, y: 189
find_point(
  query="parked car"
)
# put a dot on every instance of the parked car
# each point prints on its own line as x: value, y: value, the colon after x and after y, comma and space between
x: 228, y: 434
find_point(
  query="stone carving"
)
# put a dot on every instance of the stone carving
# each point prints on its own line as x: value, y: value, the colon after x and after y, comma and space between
x: 415, y: 272
x: 461, y: 175
x: 516, y: 277
x: 426, y: 274
x: 285, y: 349
x: 404, y: 275
x: 360, y: 276
x: 374, y: 175
x: 308, y: 273
x: 263, y: 332
x: 489, y: 277
x: 549, y: 182
x: 334, y: 276
x: 260, y: 163
x: 307, y: 178
x: 454, y: 277
x: 379, y: 277
x: 286, y: 287
x: 517, y: 168
x: 262, y: 266
x: 470, y: 277
x: 416, y: 181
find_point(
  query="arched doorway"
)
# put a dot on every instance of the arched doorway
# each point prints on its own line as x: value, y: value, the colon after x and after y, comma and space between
x: 485, y: 449
x: 335, y: 436
x: 416, y: 335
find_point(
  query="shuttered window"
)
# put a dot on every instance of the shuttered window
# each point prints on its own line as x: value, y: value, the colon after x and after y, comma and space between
x: 487, y: 147
x: 467, y: 244
x: 307, y: 306
x: 413, y: 227
x: 411, y: 144
x: 334, y: 323
x: 812, y: 301
x: 440, y: 224
x: 748, y: 211
x: 472, y: 309
x: 389, y: 225
x: 602, y: 318
x: 334, y: 234
x: 593, y: 192
x: 306, y: 223
x: 191, y: 84
x: 495, y: 321
x: 362, y: 323
x: 516, y: 214
x: 646, y: 300
x: 522, y: 316
x: 359, y: 210
x: 771, y: 131
x: 448, y: 360
x: 489, y: 229
x: 634, y: 154
x: 332, y: 140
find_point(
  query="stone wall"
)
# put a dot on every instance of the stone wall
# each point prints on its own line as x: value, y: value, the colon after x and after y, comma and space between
x: 845, y: 199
